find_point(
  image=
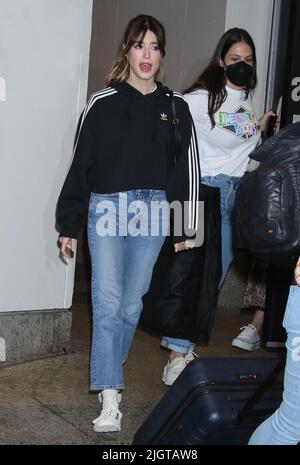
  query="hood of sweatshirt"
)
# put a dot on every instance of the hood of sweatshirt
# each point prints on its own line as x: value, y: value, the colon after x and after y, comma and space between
x: 150, y: 102
x: 132, y: 92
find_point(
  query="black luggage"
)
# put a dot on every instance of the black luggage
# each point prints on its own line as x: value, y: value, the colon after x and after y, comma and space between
x: 215, y: 401
x: 182, y: 298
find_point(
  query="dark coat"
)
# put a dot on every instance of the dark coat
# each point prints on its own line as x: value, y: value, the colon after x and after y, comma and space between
x: 268, y: 200
x: 182, y: 298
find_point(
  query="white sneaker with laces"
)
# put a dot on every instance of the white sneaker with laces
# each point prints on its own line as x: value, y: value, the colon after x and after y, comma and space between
x: 110, y: 417
x: 174, y: 367
x: 109, y: 420
x: 248, y: 339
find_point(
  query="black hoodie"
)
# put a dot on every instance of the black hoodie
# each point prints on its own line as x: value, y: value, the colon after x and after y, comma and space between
x: 125, y: 141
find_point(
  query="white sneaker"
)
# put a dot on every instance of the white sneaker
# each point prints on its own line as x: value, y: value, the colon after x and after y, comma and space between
x: 109, y: 420
x: 248, y: 339
x: 174, y: 367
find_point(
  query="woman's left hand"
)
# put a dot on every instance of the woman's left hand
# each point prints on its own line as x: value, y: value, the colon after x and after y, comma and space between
x: 184, y: 246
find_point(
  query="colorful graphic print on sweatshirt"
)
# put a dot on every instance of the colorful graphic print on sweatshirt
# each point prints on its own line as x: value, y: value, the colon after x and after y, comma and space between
x: 242, y: 122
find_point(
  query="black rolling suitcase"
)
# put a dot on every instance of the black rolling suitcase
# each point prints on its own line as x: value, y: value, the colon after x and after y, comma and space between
x: 215, y: 401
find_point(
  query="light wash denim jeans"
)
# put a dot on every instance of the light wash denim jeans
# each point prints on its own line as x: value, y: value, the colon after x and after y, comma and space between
x: 122, y: 267
x: 182, y: 346
x: 283, y: 427
x: 228, y: 186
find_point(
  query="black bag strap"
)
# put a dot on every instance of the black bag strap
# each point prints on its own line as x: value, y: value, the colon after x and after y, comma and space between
x: 178, y: 138
x: 270, y: 380
x: 177, y: 135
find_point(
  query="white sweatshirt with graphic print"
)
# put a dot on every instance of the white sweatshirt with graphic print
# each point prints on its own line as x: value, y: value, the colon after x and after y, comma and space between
x: 225, y: 148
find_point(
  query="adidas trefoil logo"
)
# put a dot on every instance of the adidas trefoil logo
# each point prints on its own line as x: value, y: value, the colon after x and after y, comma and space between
x: 163, y: 117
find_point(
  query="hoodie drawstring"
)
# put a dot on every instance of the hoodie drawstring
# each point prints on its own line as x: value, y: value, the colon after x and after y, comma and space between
x: 154, y: 111
x: 155, y: 119
x: 153, y: 106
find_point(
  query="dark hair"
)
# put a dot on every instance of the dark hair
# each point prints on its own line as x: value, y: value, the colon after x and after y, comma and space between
x: 135, y: 31
x: 213, y: 77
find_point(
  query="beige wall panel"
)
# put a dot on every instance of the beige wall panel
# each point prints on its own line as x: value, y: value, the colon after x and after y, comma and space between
x: 204, y: 25
x: 103, y: 42
x: 193, y: 28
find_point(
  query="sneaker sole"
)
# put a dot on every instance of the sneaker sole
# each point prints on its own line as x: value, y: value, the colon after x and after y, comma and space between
x: 106, y: 428
x: 243, y: 345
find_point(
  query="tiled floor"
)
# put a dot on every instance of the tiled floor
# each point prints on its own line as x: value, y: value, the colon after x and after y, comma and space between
x: 48, y: 401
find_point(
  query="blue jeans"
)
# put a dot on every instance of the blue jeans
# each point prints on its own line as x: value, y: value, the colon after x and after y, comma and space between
x: 182, y: 346
x: 228, y: 186
x: 122, y: 265
x: 283, y: 427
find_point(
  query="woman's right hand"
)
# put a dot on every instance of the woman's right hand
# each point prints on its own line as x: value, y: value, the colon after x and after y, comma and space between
x: 67, y: 246
x: 186, y: 245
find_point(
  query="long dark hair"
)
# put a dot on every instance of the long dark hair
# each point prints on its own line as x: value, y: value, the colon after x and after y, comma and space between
x: 213, y: 78
x: 135, y: 31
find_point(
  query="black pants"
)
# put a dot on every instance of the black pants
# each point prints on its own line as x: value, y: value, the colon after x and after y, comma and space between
x: 278, y: 285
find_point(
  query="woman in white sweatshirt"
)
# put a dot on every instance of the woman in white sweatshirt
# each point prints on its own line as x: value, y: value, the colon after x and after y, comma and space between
x: 227, y: 130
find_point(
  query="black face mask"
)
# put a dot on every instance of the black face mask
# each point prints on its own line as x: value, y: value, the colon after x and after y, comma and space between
x: 239, y: 73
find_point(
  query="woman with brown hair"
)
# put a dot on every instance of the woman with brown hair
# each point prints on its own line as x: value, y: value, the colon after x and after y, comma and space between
x: 123, y: 166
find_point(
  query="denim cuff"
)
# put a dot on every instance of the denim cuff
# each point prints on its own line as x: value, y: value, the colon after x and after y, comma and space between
x: 181, y: 346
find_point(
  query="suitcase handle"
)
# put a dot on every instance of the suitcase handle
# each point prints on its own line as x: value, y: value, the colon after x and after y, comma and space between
x: 263, y: 388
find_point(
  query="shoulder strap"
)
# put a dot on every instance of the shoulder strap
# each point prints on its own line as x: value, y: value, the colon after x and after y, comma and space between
x: 175, y: 122
x: 178, y: 139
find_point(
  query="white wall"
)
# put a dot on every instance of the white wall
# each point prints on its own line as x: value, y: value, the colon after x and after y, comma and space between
x: 44, y: 52
x: 256, y: 17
